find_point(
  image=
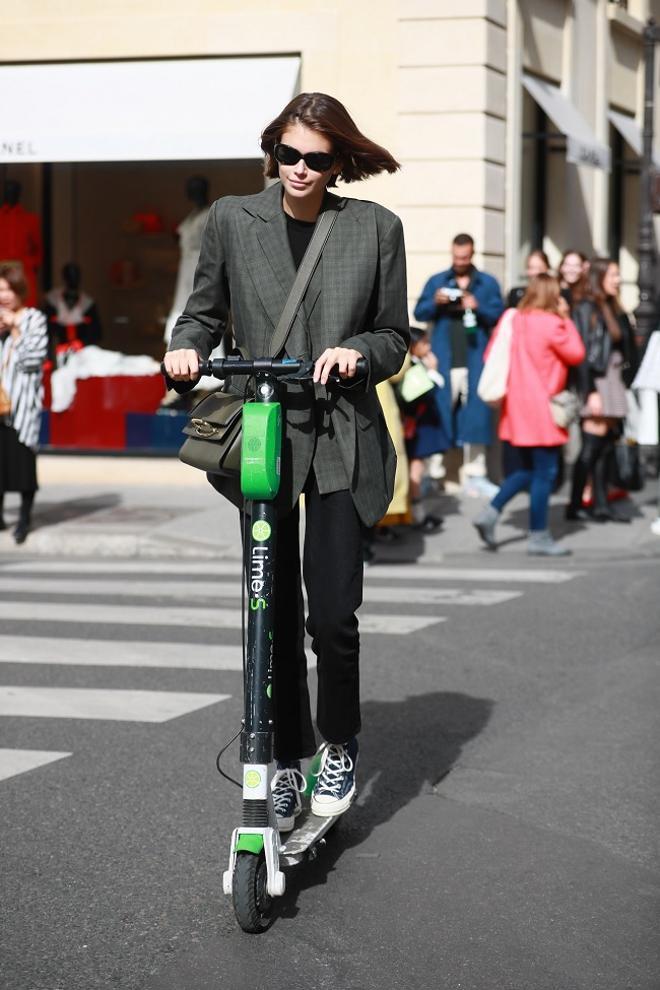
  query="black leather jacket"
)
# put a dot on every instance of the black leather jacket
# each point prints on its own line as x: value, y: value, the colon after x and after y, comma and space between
x: 599, y: 346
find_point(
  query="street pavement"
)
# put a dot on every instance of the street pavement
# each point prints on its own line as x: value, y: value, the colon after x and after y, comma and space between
x: 505, y: 831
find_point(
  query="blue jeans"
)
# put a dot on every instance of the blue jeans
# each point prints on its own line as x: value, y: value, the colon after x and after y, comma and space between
x: 537, y: 475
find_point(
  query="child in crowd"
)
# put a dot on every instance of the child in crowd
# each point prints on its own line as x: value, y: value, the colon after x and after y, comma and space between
x: 423, y: 430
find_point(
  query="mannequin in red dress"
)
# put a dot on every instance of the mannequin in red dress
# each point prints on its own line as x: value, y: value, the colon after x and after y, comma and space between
x: 20, y: 237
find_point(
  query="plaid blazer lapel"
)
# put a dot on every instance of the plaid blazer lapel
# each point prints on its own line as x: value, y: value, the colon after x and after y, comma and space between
x: 268, y: 260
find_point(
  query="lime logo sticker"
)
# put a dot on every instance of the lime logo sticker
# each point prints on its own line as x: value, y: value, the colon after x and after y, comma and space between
x: 260, y: 530
x: 252, y: 778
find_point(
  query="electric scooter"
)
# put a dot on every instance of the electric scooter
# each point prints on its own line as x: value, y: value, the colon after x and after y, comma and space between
x: 254, y: 875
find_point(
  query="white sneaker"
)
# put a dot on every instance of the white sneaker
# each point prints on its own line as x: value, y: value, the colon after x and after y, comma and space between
x: 655, y: 527
x: 335, y: 788
x: 478, y: 487
x: 287, y: 787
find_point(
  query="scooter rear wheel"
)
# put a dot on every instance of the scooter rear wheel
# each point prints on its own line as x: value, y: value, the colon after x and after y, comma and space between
x: 252, y: 902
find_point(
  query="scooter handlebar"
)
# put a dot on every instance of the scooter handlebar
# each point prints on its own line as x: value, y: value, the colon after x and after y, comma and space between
x: 297, y: 369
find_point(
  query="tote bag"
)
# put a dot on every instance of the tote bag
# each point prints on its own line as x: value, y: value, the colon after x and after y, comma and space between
x: 495, y: 375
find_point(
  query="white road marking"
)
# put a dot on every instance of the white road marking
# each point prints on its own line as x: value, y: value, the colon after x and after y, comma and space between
x: 396, y: 625
x: 16, y: 761
x: 186, y: 591
x: 404, y: 572
x: 131, y: 566
x: 500, y: 575
x: 121, y: 706
x: 116, y: 653
x: 152, y: 615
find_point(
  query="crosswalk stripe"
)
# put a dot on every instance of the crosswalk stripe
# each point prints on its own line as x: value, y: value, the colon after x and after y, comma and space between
x: 116, y: 653
x: 128, y: 566
x: 212, y: 618
x: 232, y: 590
x: 113, y: 705
x: 499, y: 575
x: 403, y: 572
x: 16, y: 761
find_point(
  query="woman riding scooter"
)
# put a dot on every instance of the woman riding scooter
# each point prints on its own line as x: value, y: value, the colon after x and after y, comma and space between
x: 336, y: 449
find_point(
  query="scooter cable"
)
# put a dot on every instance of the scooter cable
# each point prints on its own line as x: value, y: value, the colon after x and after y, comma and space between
x: 232, y: 780
x: 224, y: 749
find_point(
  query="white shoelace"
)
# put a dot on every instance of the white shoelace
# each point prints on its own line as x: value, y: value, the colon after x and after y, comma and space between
x: 335, y: 762
x: 283, y: 782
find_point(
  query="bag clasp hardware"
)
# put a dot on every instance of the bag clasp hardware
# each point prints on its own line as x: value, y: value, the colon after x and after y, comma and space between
x: 203, y: 428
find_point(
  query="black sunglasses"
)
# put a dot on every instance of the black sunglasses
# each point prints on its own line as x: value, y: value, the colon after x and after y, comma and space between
x: 318, y: 161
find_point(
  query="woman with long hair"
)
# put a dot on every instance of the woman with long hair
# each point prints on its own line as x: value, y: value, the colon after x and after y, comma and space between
x: 601, y: 380
x: 23, y: 347
x: 544, y: 344
x: 336, y: 448
x: 572, y: 271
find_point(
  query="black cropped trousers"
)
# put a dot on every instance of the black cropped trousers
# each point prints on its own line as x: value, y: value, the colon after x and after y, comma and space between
x: 333, y: 574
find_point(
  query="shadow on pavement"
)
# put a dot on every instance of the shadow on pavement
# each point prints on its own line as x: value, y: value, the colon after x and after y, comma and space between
x: 406, y: 748
x: 52, y: 513
x: 406, y: 544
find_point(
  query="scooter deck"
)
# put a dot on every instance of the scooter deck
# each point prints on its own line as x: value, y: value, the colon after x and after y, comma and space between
x: 309, y: 829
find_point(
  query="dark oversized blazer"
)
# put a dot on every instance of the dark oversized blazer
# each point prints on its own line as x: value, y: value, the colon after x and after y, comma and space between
x: 356, y: 299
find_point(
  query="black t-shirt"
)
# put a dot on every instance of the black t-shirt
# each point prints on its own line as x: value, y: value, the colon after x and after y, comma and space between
x: 299, y: 233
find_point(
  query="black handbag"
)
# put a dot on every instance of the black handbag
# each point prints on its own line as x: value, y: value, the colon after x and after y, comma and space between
x: 625, y: 467
x: 213, y: 433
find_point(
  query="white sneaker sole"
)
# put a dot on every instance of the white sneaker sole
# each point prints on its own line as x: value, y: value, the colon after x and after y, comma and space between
x: 328, y: 809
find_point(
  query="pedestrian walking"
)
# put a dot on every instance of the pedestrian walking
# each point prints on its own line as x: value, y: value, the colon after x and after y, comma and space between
x: 23, y: 347
x: 537, y: 263
x: 544, y: 343
x: 463, y: 304
x: 610, y: 363
x: 336, y: 448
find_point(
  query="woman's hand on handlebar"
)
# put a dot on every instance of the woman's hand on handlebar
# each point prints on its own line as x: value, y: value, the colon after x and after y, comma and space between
x: 182, y: 365
x: 345, y: 359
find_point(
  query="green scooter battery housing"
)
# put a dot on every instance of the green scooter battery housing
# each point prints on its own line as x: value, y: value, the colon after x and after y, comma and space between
x: 261, y: 450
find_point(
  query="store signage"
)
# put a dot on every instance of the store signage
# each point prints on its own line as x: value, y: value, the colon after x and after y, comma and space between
x: 143, y: 109
x: 17, y: 149
x: 580, y: 153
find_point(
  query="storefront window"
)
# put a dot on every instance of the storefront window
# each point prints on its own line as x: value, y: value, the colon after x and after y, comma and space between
x: 118, y: 222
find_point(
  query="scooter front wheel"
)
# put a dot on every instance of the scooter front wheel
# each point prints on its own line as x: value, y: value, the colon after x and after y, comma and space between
x: 252, y: 902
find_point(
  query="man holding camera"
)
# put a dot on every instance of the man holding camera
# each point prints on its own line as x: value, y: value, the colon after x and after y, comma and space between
x: 463, y: 304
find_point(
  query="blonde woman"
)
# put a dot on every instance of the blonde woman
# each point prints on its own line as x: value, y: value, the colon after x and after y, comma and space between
x: 544, y: 344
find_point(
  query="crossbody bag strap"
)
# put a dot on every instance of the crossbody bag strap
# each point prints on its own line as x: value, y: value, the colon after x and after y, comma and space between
x: 307, y: 266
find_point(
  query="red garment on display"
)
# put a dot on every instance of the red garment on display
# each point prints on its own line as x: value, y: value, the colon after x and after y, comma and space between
x: 20, y: 240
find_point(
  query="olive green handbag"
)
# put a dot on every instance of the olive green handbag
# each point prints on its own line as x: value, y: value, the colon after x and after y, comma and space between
x: 213, y: 433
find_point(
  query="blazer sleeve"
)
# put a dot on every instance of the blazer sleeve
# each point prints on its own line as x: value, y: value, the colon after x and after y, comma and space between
x: 385, y: 342
x: 427, y: 309
x: 203, y: 321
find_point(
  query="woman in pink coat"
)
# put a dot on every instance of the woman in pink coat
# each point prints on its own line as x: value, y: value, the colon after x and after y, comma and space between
x: 544, y: 344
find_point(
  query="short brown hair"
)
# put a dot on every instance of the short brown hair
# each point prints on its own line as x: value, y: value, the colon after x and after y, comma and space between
x: 542, y: 293
x: 359, y: 157
x: 462, y: 240
x: 14, y: 276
